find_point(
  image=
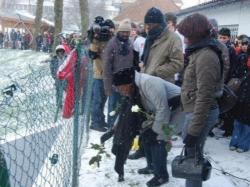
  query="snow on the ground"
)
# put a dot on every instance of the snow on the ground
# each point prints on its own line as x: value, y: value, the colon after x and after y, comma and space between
x: 220, y: 156
x: 15, y: 63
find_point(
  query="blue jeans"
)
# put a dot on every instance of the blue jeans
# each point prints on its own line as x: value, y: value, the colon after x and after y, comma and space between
x: 113, y: 102
x: 210, y: 122
x: 241, y: 136
x: 156, y: 156
x: 98, y: 102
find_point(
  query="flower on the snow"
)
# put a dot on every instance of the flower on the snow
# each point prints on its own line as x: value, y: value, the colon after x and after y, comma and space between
x: 135, y: 108
x: 112, y: 113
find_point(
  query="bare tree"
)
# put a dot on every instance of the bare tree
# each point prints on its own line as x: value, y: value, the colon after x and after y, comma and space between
x: 84, y: 10
x: 58, y: 9
x: 38, y: 21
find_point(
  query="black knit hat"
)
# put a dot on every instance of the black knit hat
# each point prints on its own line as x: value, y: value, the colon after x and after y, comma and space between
x: 225, y: 32
x: 154, y: 15
x: 124, y: 76
x: 99, y: 19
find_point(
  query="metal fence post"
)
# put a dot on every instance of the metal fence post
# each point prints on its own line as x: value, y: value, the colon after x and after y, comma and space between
x: 76, y: 119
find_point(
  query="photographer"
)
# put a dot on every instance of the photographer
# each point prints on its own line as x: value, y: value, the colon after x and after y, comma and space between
x: 99, y: 34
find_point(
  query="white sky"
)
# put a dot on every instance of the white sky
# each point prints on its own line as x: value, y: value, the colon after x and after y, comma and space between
x: 189, y: 3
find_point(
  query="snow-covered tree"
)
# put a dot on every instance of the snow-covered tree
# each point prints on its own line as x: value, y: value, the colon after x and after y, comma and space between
x: 58, y: 9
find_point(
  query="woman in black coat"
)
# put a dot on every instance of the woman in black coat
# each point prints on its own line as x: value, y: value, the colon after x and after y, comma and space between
x: 241, y: 134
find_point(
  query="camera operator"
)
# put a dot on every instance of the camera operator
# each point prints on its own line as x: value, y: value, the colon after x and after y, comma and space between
x: 99, y: 34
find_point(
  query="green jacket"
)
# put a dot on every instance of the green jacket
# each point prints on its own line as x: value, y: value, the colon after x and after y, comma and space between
x: 165, y: 57
x: 202, y: 79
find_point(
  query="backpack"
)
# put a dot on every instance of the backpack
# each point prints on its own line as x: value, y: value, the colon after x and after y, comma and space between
x: 227, y: 100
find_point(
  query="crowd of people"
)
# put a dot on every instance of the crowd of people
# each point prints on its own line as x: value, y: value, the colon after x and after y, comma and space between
x: 156, y: 66
x: 15, y: 40
x: 44, y: 42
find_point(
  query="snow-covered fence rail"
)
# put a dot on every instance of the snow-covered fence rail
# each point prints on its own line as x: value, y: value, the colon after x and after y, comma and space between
x: 37, y: 146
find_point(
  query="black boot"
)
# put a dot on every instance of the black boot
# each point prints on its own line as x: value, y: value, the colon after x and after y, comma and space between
x: 120, y: 178
x: 107, y: 135
x: 136, y: 155
x: 145, y: 171
x: 157, y: 181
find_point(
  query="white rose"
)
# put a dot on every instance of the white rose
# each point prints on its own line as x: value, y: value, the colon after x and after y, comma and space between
x: 135, y: 108
x: 94, y: 165
x: 112, y: 113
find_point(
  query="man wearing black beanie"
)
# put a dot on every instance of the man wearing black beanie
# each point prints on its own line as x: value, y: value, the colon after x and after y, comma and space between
x: 153, y: 94
x: 162, y: 56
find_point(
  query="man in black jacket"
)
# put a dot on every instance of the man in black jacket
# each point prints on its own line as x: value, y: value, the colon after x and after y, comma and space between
x: 224, y: 37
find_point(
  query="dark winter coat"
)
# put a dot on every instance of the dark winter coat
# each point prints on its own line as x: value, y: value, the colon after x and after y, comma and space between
x: 39, y: 40
x: 126, y: 129
x: 55, y: 63
x: 225, y: 57
x: 113, y: 61
x: 240, y: 68
x: 19, y: 36
x: 232, y: 59
x: 129, y: 122
x: 242, y: 108
x: 1, y: 37
x: 13, y: 36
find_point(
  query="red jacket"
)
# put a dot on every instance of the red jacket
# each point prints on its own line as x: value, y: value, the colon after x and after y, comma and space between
x: 66, y: 72
x: 66, y: 46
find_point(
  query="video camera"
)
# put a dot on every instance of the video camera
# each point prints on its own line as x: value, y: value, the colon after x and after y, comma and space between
x: 100, y: 30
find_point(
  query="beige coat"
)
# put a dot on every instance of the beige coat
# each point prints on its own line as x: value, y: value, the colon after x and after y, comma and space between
x: 165, y: 57
x: 202, y: 78
x: 97, y: 46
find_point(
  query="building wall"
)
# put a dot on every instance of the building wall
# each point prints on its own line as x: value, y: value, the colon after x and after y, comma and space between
x: 231, y: 14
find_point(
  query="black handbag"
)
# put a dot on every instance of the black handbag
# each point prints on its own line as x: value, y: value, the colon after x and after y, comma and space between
x: 191, y: 168
x: 227, y: 101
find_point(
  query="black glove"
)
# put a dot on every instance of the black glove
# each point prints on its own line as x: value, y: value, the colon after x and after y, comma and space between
x: 93, y: 55
x: 190, y: 141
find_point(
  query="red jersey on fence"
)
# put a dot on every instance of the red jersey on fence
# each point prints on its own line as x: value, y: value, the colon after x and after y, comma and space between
x: 66, y: 72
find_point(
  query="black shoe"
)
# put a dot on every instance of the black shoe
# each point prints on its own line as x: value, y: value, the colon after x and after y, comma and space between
x: 120, y: 178
x: 107, y: 135
x: 211, y: 134
x: 136, y: 155
x: 145, y: 171
x: 157, y: 181
x: 100, y: 129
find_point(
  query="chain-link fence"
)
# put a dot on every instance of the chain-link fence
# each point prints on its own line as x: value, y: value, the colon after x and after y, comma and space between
x: 38, y: 145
